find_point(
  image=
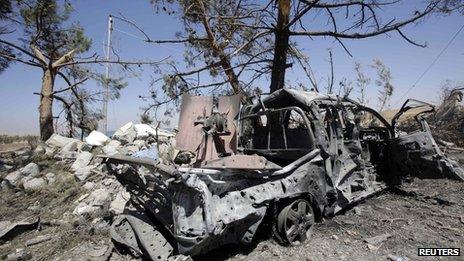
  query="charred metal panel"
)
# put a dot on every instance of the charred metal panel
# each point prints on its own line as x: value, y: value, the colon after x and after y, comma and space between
x: 140, y: 235
x: 191, y: 136
x: 230, y: 106
x: 418, y: 154
x: 207, y: 220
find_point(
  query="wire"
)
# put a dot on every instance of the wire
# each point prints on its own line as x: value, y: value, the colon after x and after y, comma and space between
x: 431, y: 64
x: 143, y: 39
x: 129, y: 34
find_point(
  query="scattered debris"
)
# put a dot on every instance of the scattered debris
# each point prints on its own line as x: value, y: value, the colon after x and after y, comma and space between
x: 51, y: 177
x: 59, y: 141
x: 17, y: 178
x: 9, y: 229
x: 19, y: 254
x: 377, y: 239
x: 39, y: 239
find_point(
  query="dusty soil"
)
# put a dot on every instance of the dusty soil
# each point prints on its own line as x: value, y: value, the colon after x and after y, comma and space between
x: 422, y: 213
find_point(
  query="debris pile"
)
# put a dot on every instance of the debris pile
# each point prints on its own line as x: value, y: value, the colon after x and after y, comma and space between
x: 97, y: 196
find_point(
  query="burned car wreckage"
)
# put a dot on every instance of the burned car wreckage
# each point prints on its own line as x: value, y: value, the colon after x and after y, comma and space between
x: 292, y: 158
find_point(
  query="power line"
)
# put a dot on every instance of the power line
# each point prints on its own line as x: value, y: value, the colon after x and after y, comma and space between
x: 433, y: 62
x: 143, y: 39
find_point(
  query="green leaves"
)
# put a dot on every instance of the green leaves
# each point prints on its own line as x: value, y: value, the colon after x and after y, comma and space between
x: 46, y: 26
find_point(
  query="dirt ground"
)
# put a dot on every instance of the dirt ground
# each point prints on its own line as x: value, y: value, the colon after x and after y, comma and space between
x: 421, y: 213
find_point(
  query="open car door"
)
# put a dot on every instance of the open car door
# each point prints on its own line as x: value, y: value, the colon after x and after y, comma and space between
x: 416, y: 153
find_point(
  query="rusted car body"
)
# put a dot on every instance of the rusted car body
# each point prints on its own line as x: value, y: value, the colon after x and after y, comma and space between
x: 292, y: 158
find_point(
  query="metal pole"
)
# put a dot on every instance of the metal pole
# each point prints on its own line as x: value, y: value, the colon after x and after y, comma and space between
x: 107, y: 76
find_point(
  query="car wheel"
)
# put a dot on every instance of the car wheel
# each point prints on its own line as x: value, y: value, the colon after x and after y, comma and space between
x: 294, y: 222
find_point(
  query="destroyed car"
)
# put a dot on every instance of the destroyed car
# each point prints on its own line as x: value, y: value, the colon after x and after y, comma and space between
x: 291, y: 159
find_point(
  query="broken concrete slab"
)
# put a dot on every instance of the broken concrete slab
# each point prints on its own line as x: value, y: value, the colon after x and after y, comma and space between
x: 58, y: 141
x: 88, y: 185
x: 118, y: 204
x: 40, y: 149
x: 13, y: 178
x: 125, y: 134
x: 82, y: 160
x: 70, y: 155
x: 112, y: 147
x: 34, y: 184
x: 85, y: 209
x: 70, y: 147
x: 30, y: 170
x: 96, y: 138
x: 145, y: 130
x: 83, y: 173
x: 100, y: 197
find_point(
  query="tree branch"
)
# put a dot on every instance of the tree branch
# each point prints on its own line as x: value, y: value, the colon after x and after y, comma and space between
x: 19, y: 48
x: 65, y: 58
x: 71, y: 86
x: 38, y: 54
x: 96, y: 60
x: 385, y: 29
x: 14, y: 58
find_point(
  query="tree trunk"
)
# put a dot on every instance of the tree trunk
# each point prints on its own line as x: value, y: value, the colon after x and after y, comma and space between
x: 224, y: 59
x: 46, y: 105
x: 232, y: 77
x: 282, y: 35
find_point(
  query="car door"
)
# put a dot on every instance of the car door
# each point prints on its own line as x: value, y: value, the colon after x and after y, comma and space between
x: 416, y: 152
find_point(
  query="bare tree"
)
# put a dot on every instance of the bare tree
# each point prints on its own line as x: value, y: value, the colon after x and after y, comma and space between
x: 232, y: 44
x: 346, y: 87
x: 362, y: 81
x: 384, y: 82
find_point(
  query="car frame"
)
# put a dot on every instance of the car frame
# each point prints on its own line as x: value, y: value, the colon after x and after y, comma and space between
x: 293, y: 158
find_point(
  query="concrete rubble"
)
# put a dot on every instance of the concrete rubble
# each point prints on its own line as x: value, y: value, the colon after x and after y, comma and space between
x: 34, y: 184
x: 96, y: 138
x: 106, y: 196
x: 126, y: 134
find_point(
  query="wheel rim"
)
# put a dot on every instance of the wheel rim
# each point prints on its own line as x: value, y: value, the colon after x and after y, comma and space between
x: 295, y: 220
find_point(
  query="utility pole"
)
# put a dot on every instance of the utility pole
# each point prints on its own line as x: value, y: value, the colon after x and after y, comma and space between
x: 107, y: 76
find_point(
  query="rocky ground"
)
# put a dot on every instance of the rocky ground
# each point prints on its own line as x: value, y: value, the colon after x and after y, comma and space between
x: 65, y: 185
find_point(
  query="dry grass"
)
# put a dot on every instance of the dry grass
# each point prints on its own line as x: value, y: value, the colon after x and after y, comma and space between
x: 32, y: 140
x: 50, y: 204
